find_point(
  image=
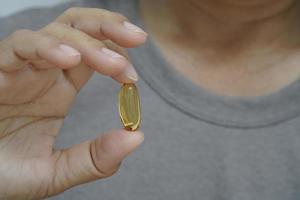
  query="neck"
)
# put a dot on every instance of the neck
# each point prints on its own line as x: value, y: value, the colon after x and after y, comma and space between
x: 237, y: 23
x: 227, y: 45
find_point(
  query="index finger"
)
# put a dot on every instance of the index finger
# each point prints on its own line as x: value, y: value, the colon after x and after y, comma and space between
x: 103, y: 24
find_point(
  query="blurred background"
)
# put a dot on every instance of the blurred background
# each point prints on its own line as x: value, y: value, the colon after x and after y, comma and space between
x: 11, y: 6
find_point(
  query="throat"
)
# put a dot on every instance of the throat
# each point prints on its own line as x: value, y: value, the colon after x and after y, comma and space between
x: 243, y: 57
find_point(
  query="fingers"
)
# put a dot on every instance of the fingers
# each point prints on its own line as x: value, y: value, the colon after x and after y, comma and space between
x: 92, y: 160
x: 25, y: 45
x: 103, y: 24
x: 118, y: 76
x: 94, y: 53
x: 77, y: 36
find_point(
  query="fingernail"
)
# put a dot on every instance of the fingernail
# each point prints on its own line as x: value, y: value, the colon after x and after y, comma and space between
x: 69, y: 51
x: 133, y: 27
x: 111, y: 53
x: 131, y: 73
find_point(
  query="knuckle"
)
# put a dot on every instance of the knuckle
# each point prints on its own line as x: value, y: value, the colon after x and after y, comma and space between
x: 93, y: 43
x: 52, y: 25
x: 99, y: 171
x: 45, y: 35
x: 47, y: 40
x: 82, y: 38
x: 110, y: 173
x: 118, y: 17
x: 8, y: 61
x: 72, y: 10
x: 21, y: 33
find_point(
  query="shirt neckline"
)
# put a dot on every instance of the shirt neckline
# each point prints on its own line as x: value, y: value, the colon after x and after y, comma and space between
x: 189, y: 98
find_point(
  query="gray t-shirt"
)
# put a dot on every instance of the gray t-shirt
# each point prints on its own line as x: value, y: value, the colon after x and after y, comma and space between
x: 198, y: 145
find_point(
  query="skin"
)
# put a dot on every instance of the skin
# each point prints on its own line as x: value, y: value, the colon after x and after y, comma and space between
x: 230, y: 47
x: 40, y: 79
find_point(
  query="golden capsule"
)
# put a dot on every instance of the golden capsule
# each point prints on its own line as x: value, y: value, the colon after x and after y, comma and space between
x: 129, y: 107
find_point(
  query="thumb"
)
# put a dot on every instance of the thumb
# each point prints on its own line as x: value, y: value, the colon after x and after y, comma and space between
x: 92, y: 160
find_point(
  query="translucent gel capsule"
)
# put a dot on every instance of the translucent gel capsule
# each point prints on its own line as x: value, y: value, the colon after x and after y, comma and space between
x: 129, y: 107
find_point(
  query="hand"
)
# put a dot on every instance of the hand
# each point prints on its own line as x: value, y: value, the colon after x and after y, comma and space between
x: 40, y: 74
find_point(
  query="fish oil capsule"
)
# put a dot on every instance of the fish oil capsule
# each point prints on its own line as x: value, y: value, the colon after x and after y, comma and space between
x: 129, y: 107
